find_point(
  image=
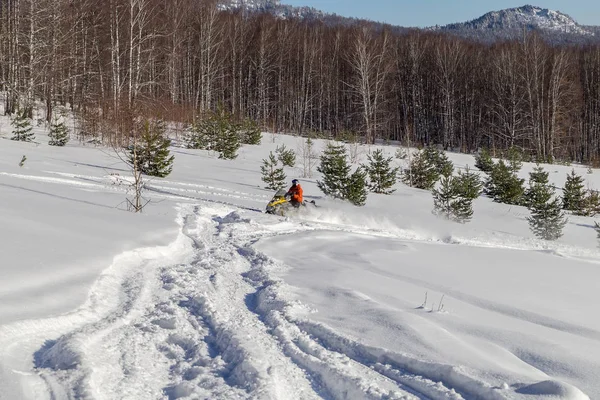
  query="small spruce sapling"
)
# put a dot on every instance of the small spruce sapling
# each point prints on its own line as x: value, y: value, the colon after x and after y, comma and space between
x: 515, y: 159
x: 59, y: 133
x: 273, y: 176
x: 381, y: 174
x: 356, y: 191
x: 203, y: 135
x: 591, y: 203
x: 151, y: 152
x: 22, y: 129
x: 228, y: 139
x: 483, y: 161
x: 547, y: 219
x: 249, y: 132
x: 421, y: 173
x: 504, y: 186
x: 335, y: 169
x: 449, y: 202
x: 536, y: 177
x: 574, y: 194
x: 439, y: 160
x: 469, y: 184
x: 286, y: 156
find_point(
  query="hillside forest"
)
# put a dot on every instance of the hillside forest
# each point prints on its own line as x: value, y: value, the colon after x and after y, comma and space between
x: 112, y: 62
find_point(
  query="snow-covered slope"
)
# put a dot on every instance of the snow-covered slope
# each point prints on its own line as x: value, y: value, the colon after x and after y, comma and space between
x: 205, y: 296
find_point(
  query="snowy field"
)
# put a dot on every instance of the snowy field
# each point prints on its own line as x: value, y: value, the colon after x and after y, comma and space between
x: 203, y: 296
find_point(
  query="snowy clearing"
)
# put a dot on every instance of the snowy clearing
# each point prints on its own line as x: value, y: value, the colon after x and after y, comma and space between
x: 204, y: 296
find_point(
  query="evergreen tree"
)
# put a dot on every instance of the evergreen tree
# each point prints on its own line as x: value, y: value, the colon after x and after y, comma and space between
x: 250, y: 132
x: 537, y: 177
x: 59, y: 133
x: 439, y: 160
x: 574, y: 194
x: 22, y: 129
x: 504, y: 186
x: 203, y: 135
x: 515, y: 158
x: 547, y: 219
x: 335, y: 169
x: 218, y: 133
x: 483, y: 161
x: 469, y: 184
x: 228, y: 141
x: 381, y: 175
x: 274, y: 177
x: 356, y: 190
x: 151, y: 152
x: 421, y: 173
x: 449, y: 203
x: 286, y: 156
x: 591, y: 203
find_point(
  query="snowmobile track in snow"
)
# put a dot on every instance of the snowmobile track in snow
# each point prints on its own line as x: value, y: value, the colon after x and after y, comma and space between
x: 216, y: 324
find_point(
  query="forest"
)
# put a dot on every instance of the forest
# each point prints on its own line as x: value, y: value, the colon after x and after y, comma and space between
x: 111, y: 62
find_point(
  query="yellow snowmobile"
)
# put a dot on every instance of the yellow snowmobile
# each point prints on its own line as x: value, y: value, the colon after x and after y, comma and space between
x: 280, y: 205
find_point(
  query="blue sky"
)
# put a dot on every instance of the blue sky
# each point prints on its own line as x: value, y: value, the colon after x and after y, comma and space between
x: 422, y: 13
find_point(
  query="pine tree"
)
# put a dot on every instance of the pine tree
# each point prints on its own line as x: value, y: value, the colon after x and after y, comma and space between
x: 514, y: 157
x: 591, y: 203
x: 152, y: 153
x: 274, y: 177
x: 217, y: 132
x: 335, y: 169
x: 469, y: 184
x: 450, y: 203
x: 381, y: 175
x: 421, y: 173
x: 574, y: 194
x: 59, y: 133
x: 537, y: 177
x: 22, y: 130
x: 439, y: 160
x: 250, y: 132
x: 547, y: 219
x: 203, y: 135
x: 228, y: 141
x: 504, y: 186
x: 483, y: 161
x: 286, y: 156
x: 356, y: 190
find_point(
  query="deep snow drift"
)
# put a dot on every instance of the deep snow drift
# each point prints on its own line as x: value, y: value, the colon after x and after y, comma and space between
x: 204, y: 296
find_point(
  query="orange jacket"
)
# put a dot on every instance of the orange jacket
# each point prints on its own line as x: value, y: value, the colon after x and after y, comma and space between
x: 296, y: 193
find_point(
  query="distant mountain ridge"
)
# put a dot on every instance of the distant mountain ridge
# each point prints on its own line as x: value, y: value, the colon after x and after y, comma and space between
x: 273, y: 7
x: 510, y: 23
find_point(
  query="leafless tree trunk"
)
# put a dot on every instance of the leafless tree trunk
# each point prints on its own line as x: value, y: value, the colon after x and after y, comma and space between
x: 370, y: 63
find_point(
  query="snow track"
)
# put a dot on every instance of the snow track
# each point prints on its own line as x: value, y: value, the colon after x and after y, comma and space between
x: 216, y: 324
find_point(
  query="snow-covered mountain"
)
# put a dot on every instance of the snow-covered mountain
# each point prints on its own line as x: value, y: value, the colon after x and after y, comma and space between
x: 554, y: 26
x: 273, y: 7
x: 511, y: 22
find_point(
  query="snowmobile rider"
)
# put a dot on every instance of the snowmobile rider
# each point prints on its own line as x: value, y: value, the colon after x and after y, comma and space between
x: 295, y: 193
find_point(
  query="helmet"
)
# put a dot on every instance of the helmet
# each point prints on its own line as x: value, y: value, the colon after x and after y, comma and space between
x: 295, y: 181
